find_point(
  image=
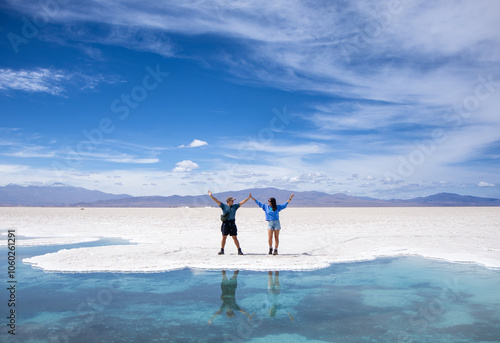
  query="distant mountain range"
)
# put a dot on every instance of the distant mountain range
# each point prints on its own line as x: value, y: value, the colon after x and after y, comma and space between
x: 65, y: 196
x: 57, y: 195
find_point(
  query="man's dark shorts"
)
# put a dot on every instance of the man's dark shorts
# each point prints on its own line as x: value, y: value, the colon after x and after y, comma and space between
x: 229, y: 228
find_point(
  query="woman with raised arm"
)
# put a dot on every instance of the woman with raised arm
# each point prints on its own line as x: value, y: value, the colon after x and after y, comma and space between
x: 273, y: 220
x: 228, y: 226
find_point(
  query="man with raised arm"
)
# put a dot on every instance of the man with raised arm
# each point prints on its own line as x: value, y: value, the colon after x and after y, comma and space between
x: 228, y: 226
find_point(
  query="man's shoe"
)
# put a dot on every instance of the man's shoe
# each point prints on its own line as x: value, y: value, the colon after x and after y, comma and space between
x: 270, y: 251
x: 275, y: 252
x: 221, y: 252
x: 240, y: 252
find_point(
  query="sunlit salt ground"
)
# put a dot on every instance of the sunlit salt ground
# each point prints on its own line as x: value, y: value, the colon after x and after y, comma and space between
x: 404, y: 299
x: 168, y: 239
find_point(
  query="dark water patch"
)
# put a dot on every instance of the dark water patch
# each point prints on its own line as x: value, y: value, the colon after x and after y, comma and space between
x: 30, y: 251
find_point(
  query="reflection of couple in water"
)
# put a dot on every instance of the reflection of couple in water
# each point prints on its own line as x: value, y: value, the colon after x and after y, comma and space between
x: 228, y: 297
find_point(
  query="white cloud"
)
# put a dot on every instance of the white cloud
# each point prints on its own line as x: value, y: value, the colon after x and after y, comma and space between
x: 185, y: 166
x: 196, y: 143
x: 485, y: 184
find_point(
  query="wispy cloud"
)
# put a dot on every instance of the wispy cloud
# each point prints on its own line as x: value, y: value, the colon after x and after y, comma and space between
x: 30, y: 153
x: 383, y: 52
x: 12, y: 168
x: 131, y: 37
x: 34, y: 81
x: 110, y: 151
x: 121, y: 144
x: 43, y: 80
x: 116, y: 157
x: 47, y: 152
x: 282, y: 149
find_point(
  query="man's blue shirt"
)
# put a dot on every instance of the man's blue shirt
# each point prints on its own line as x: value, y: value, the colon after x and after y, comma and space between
x: 231, y: 210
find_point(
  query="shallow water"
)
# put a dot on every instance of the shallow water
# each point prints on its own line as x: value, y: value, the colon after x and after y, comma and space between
x: 405, y: 299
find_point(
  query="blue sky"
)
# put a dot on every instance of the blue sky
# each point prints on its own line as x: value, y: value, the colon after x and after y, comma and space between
x: 389, y: 99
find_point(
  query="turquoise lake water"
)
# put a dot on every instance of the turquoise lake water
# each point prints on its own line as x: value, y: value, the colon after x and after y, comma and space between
x: 406, y: 299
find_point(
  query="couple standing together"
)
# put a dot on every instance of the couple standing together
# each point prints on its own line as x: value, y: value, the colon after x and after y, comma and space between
x: 229, y: 226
